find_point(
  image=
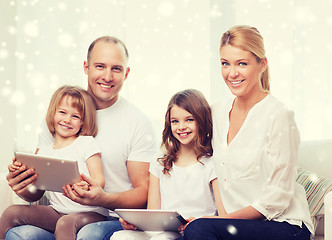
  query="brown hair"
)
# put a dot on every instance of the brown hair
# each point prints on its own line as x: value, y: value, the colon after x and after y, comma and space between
x: 80, y: 100
x: 249, y: 39
x: 107, y: 39
x: 194, y: 102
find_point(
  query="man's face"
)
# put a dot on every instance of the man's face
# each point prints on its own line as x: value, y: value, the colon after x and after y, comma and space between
x: 107, y: 70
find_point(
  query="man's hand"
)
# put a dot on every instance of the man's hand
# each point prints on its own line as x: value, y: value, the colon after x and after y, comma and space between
x: 91, y: 197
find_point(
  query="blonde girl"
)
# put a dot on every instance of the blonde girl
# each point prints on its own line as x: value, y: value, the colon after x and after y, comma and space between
x: 71, y: 119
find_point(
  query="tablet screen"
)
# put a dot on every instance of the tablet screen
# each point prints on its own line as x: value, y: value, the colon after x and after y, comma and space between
x: 53, y: 173
x: 152, y: 219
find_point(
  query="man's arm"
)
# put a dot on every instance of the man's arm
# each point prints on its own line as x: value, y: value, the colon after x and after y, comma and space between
x: 135, y: 198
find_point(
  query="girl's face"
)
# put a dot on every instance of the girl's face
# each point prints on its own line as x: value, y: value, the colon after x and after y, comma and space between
x: 183, y: 125
x: 241, y: 71
x: 67, y: 119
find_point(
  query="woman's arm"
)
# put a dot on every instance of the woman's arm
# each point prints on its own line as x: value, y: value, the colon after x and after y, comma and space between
x: 279, y: 167
x: 244, y: 213
x: 95, y: 168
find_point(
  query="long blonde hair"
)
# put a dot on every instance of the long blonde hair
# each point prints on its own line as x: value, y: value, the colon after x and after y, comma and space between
x: 249, y: 39
x: 80, y: 100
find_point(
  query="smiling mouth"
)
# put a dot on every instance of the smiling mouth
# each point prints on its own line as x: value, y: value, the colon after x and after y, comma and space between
x: 184, y: 134
x: 65, y: 126
x: 105, y: 86
x: 236, y: 82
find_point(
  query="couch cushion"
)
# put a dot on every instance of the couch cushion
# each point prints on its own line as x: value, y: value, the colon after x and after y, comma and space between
x: 316, y: 187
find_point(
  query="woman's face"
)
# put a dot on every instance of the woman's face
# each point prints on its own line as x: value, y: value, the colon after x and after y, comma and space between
x: 241, y: 71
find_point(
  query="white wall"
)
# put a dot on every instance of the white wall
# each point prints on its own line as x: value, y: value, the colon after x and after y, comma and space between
x: 173, y: 44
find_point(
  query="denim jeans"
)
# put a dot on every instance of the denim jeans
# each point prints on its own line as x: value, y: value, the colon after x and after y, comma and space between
x: 237, y: 229
x: 100, y: 230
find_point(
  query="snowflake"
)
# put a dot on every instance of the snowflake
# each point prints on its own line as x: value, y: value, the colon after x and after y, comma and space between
x: 31, y: 29
x: 32, y: 189
x: 3, y: 53
x: 232, y: 230
x: 166, y: 9
x: 65, y: 40
x: 17, y: 98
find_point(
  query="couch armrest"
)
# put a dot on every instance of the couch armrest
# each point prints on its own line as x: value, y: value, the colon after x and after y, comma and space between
x: 328, y: 216
x: 5, y: 192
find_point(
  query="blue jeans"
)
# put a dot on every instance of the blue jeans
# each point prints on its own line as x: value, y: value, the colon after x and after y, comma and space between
x: 237, y: 229
x: 100, y: 230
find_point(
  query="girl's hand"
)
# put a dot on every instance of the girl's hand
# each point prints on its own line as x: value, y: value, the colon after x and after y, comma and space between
x: 93, y: 197
x: 127, y: 226
x: 14, y: 166
x: 82, y: 185
x: 183, y: 227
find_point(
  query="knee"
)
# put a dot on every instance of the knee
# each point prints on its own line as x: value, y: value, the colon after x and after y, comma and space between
x: 194, y: 230
x: 89, y: 231
x: 64, y: 221
x: 12, y: 214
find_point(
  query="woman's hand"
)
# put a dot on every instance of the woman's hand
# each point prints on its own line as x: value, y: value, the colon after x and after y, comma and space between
x: 127, y: 226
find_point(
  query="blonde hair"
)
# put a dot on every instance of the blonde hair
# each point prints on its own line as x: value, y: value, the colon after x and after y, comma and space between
x: 80, y: 100
x: 249, y: 39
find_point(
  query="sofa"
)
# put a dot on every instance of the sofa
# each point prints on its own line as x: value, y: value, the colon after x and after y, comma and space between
x: 314, y: 174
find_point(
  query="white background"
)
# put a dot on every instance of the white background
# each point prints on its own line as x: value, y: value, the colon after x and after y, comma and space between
x: 173, y: 45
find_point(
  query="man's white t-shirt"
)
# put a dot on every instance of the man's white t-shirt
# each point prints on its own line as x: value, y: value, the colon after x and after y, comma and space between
x: 187, y: 189
x: 80, y: 150
x: 124, y: 134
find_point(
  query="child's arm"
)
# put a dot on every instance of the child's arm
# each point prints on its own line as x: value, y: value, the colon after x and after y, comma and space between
x: 217, y: 197
x: 154, y: 193
x: 95, y: 168
x: 153, y: 200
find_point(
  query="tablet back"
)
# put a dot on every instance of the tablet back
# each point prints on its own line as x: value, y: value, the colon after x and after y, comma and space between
x: 52, y: 173
x: 152, y: 220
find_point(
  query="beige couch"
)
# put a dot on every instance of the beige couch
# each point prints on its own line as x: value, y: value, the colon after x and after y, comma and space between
x: 315, y: 163
x: 315, y: 170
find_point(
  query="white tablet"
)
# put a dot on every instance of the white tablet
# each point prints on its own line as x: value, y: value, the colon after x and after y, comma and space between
x: 53, y: 173
x: 151, y: 219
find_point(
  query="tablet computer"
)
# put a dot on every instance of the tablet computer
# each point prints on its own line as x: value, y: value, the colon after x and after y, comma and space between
x: 53, y: 173
x: 152, y: 219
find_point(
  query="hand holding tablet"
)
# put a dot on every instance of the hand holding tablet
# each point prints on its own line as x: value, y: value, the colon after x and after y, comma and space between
x: 53, y: 173
x: 152, y: 219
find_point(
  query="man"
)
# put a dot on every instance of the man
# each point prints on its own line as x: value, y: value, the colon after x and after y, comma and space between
x: 126, y: 139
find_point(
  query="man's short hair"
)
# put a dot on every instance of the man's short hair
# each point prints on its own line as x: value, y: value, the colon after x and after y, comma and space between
x: 107, y: 39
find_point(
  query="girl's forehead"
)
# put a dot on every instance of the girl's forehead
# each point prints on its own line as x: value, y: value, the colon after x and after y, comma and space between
x: 70, y: 101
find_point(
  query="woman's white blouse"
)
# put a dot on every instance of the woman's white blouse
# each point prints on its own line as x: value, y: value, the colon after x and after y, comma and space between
x: 258, y: 168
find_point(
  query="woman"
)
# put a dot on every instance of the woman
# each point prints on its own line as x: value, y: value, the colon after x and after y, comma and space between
x: 255, y: 150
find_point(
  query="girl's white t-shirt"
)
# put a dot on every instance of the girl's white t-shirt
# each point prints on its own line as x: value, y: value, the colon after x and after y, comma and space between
x: 80, y: 150
x: 187, y: 189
